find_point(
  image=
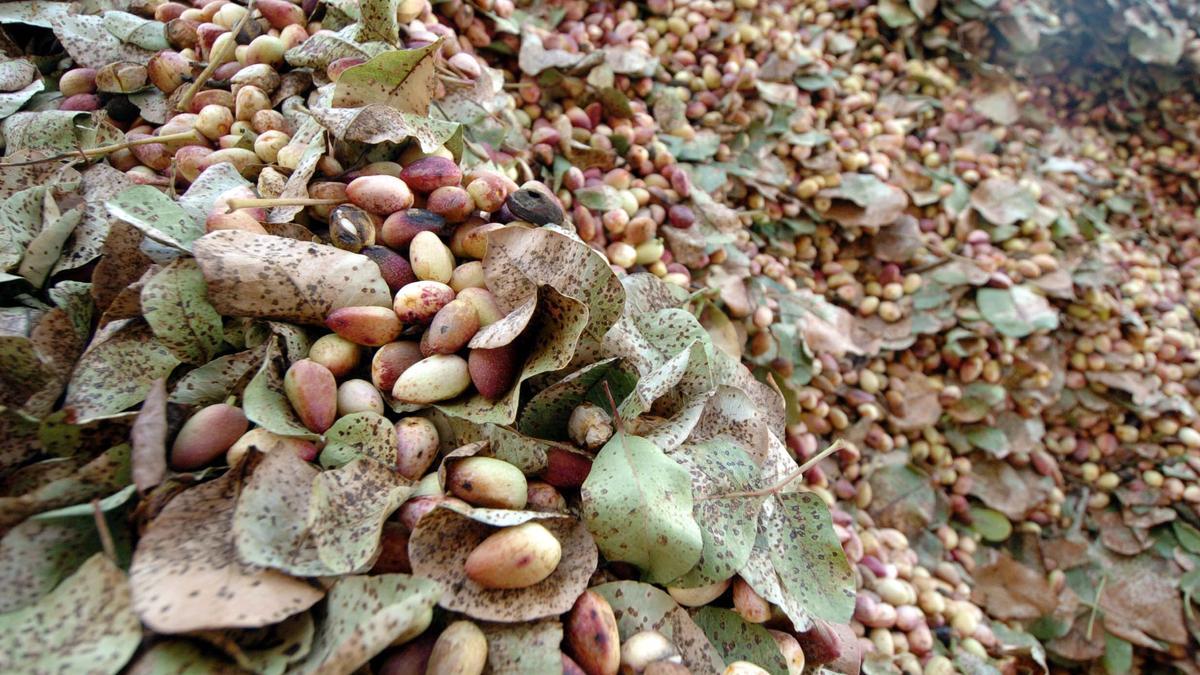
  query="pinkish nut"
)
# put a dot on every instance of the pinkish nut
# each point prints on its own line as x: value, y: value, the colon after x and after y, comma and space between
x: 909, y: 617
x: 335, y: 69
x: 488, y: 193
x: 336, y: 353
x: 80, y: 103
x: 207, y: 435
x: 77, y: 81
x: 681, y: 216
x: 417, y: 446
x: 399, y: 228
x: 436, y: 378
x: 566, y: 469
x: 545, y: 497
x: 451, y: 329
x: 237, y: 220
x: 393, y: 559
x: 466, y: 64
x: 430, y: 173
x: 412, y: 511
x: 493, y: 371
x: 281, y: 13
x: 420, y: 301
x: 189, y: 159
x: 221, y: 203
x: 391, y: 360
x: 485, y: 304
x: 368, y: 326
x: 383, y: 195
x: 168, y: 70
x: 393, y: 267
x: 312, y: 391
x: 451, y: 202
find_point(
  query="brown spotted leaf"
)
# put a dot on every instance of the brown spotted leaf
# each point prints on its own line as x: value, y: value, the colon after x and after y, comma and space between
x: 118, y: 371
x: 738, y: 640
x: 175, y: 305
x: 216, y: 380
x: 186, y: 574
x: 862, y: 200
x: 84, y: 625
x: 268, y: 650
x: 90, y: 45
x: 374, y: 124
x: 445, y: 537
x: 529, y: 647
x: 638, y: 607
x: 364, y: 615
x: 401, y: 79
x: 65, y: 483
x: 272, y: 277
x: 148, y: 437
x: 361, y: 434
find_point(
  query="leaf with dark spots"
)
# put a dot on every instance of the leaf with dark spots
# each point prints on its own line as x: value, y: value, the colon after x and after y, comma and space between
x: 639, y: 606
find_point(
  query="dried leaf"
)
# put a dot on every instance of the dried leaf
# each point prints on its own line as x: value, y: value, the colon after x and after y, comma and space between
x: 148, y: 439
x: 156, y: 215
x: 375, y: 124
x: 637, y: 502
x: 1003, y: 201
x: 126, y: 27
x: 362, y: 434
x: 216, y: 380
x: 118, y: 371
x: 84, y: 625
x: 445, y: 537
x: 313, y: 137
x: 865, y: 201
x: 91, y: 45
x: 196, y: 582
x: 57, y: 131
x: 272, y: 277
x: 268, y: 650
x: 1013, y: 492
x: 1009, y: 590
x: 1017, y: 312
x: 364, y: 615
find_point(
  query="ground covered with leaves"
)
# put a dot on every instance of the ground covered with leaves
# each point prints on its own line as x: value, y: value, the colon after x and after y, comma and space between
x: 708, y: 336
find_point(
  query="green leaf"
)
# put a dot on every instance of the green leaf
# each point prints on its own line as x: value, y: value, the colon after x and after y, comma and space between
x: 990, y: 439
x: 90, y: 45
x: 639, y: 606
x: 1118, y: 655
x: 1188, y: 536
x: 66, y: 485
x: 798, y: 563
x: 295, y: 518
x: 216, y: 380
x: 528, y: 647
x: 268, y: 650
x: 400, y: 79
x: 727, y: 523
x: 137, y: 31
x: 156, y: 215
x: 1017, y: 312
x: 175, y: 304
x: 11, y: 101
x: 324, y: 48
x: 181, y: 657
x: 57, y: 131
x: 738, y: 640
x: 546, y: 414
x: 376, y: 124
x: 43, y: 251
x: 991, y: 524
x: 598, y: 198
x: 117, y: 372
x: 84, y: 625
x: 638, y: 505
x: 379, y: 20
x: 362, y: 434
x: 20, y: 221
x: 364, y: 615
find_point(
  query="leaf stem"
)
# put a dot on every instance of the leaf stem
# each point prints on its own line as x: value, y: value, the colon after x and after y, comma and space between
x: 1095, y: 606
x: 106, y: 540
x: 259, y: 202
x: 800, y: 471
x: 107, y: 149
x: 215, y: 60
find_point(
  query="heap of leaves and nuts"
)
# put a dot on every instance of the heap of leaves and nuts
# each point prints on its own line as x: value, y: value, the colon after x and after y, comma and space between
x: 376, y: 334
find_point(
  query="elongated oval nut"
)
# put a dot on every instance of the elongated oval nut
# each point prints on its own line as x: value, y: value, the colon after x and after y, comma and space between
x: 644, y: 648
x: 358, y: 396
x: 265, y: 441
x: 431, y: 259
x: 369, y: 326
x: 699, y: 596
x: 420, y: 301
x: 207, y: 435
x: 515, y: 557
x: 493, y: 370
x: 488, y: 482
x: 436, y: 378
x: 451, y: 329
x: 312, y: 391
x: 390, y: 361
x: 591, y: 632
x: 461, y: 649
x: 743, y: 668
x: 789, y: 646
x: 383, y: 195
x: 336, y: 353
x: 485, y: 304
x: 749, y: 604
x: 417, y: 446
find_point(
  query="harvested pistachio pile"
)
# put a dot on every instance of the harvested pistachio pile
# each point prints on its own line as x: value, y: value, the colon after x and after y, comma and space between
x: 688, y: 337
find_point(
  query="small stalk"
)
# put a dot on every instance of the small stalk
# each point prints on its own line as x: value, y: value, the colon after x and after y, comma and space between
x: 92, y: 153
x: 106, y: 539
x: 261, y: 202
x: 214, y: 62
x: 772, y: 489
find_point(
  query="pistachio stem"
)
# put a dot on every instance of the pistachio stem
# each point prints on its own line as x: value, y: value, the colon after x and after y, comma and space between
x: 258, y: 202
x: 772, y: 489
x: 214, y: 61
x: 103, y: 150
x: 106, y: 540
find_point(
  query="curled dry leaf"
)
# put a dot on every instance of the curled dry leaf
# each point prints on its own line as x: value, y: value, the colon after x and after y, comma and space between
x: 148, y: 438
x: 197, y: 582
x: 444, y: 538
x: 271, y: 277
x: 401, y: 79
x: 374, y: 124
x: 84, y: 625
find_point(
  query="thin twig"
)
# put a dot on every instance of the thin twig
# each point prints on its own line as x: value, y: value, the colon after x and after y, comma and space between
x: 772, y: 489
x: 106, y: 540
x: 260, y: 202
x: 1096, y: 606
x: 215, y: 60
x: 107, y: 149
